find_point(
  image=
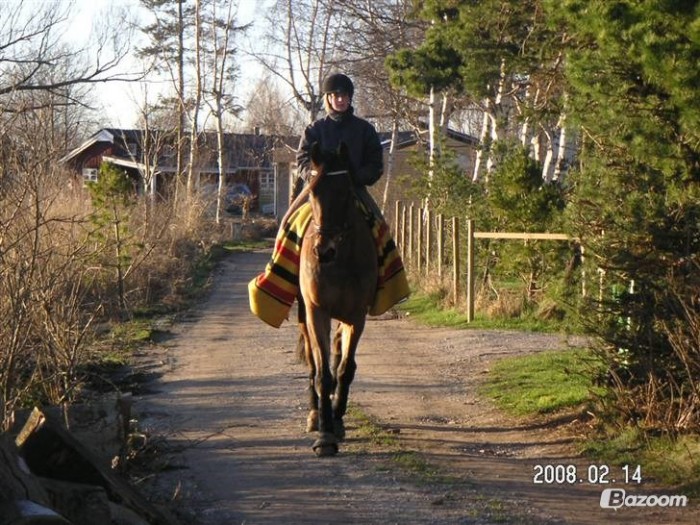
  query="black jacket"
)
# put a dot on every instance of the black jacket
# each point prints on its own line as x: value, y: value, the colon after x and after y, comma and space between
x: 366, y: 153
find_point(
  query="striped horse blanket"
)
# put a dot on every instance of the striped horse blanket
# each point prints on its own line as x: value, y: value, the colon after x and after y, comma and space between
x: 273, y: 292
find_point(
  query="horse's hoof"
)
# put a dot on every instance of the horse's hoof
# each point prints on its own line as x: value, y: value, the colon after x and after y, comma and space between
x: 312, y: 421
x: 326, y: 445
x: 339, y: 429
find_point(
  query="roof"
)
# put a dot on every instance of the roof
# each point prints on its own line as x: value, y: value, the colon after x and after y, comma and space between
x: 245, y: 150
x: 407, y: 139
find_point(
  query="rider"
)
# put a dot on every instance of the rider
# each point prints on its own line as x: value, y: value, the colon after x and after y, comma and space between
x: 273, y: 292
x: 340, y: 124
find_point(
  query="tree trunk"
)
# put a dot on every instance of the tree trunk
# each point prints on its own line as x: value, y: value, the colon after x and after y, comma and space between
x: 482, y: 141
x: 561, y: 149
x: 181, y: 123
x: 390, y: 163
x: 192, y: 170
x: 547, y: 164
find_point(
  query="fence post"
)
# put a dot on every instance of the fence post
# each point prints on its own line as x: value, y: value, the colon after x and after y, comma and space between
x: 409, y: 248
x: 455, y: 252
x: 419, y: 242
x: 397, y: 224
x: 440, y: 242
x: 403, y: 233
x: 428, y: 227
x: 470, y: 270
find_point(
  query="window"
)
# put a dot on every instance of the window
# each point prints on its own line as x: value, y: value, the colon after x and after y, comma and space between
x: 267, y: 181
x: 89, y: 174
x: 132, y: 149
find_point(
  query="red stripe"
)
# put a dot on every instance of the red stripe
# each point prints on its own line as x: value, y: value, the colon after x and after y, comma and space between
x: 291, y: 255
x: 275, y: 291
x: 392, y: 269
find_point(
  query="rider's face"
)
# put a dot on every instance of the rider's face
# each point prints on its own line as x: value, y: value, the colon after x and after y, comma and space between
x: 340, y: 101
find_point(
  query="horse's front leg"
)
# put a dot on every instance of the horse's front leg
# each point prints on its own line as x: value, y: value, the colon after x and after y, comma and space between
x: 345, y: 373
x: 305, y: 354
x: 319, y: 325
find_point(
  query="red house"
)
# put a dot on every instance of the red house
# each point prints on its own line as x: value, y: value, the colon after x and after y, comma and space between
x: 150, y: 159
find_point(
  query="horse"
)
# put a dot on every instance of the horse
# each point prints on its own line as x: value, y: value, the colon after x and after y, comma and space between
x: 338, y: 272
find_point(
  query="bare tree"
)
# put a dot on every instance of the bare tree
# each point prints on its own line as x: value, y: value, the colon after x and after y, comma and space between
x: 302, y: 47
x: 269, y: 111
x: 370, y: 32
x: 168, y: 33
x: 218, y: 48
x: 31, y: 49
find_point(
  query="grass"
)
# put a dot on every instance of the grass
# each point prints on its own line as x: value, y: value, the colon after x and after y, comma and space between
x: 248, y: 245
x: 670, y: 461
x: 407, y: 461
x: 549, y: 382
x: 542, y: 383
x: 425, y: 308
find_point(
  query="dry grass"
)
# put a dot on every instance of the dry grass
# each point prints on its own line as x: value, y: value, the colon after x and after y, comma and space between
x: 64, y: 274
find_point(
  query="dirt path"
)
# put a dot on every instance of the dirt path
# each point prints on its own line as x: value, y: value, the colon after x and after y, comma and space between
x: 231, y: 404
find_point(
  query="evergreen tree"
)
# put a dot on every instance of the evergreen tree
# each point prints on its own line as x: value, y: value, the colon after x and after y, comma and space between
x: 633, y: 71
x: 112, y: 200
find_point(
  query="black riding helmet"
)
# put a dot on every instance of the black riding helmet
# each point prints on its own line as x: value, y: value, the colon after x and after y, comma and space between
x: 338, y: 83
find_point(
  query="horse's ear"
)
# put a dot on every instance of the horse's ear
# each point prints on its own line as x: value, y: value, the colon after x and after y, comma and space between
x: 316, y: 153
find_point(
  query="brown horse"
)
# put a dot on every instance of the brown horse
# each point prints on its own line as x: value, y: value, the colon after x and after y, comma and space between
x: 337, y: 280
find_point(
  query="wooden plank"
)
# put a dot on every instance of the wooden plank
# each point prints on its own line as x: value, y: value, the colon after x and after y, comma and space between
x: 419, y: 242
x: 403, y: 233
x: 523, y: 236
x: 440, y: 244
x: 52, y: 452
x: 455, y: 255
x: 470, y: 270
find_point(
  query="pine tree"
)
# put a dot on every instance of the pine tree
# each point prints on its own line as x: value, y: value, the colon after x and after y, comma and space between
x: 112, y: 200
x: 633, y: 70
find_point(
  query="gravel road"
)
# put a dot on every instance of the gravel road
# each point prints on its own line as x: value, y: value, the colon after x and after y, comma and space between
x: 230, y: 404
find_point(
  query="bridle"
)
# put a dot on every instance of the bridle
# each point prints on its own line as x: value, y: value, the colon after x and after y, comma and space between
x: 334, y: 231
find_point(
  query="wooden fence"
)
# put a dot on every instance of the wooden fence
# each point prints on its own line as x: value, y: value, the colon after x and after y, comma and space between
x: 418, y: 230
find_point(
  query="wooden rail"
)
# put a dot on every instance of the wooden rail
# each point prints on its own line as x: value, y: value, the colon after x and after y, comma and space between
x: 415, y: 237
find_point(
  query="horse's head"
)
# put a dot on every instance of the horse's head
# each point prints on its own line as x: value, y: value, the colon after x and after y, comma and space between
x: 331, y: 198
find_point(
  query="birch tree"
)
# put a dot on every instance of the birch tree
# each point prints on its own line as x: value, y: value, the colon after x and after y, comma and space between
x: 426, y: 72
x: 168, y: 31
x: 218, y: 45
x: 505, y: 48
x: 196, y: 103
x: 370, y: 32
x: 302, y: 49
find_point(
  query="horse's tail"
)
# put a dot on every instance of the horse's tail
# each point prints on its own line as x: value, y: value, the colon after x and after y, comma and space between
x: 301, y: 346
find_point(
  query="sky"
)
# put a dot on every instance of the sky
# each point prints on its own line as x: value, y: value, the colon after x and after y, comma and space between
x: 121, y: 100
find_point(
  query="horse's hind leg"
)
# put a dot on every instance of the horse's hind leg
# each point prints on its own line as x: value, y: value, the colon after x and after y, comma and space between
x: 336, y: 353
x: 345, y: 373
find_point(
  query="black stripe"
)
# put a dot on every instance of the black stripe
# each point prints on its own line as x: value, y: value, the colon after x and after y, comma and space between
x: 291, y: 277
